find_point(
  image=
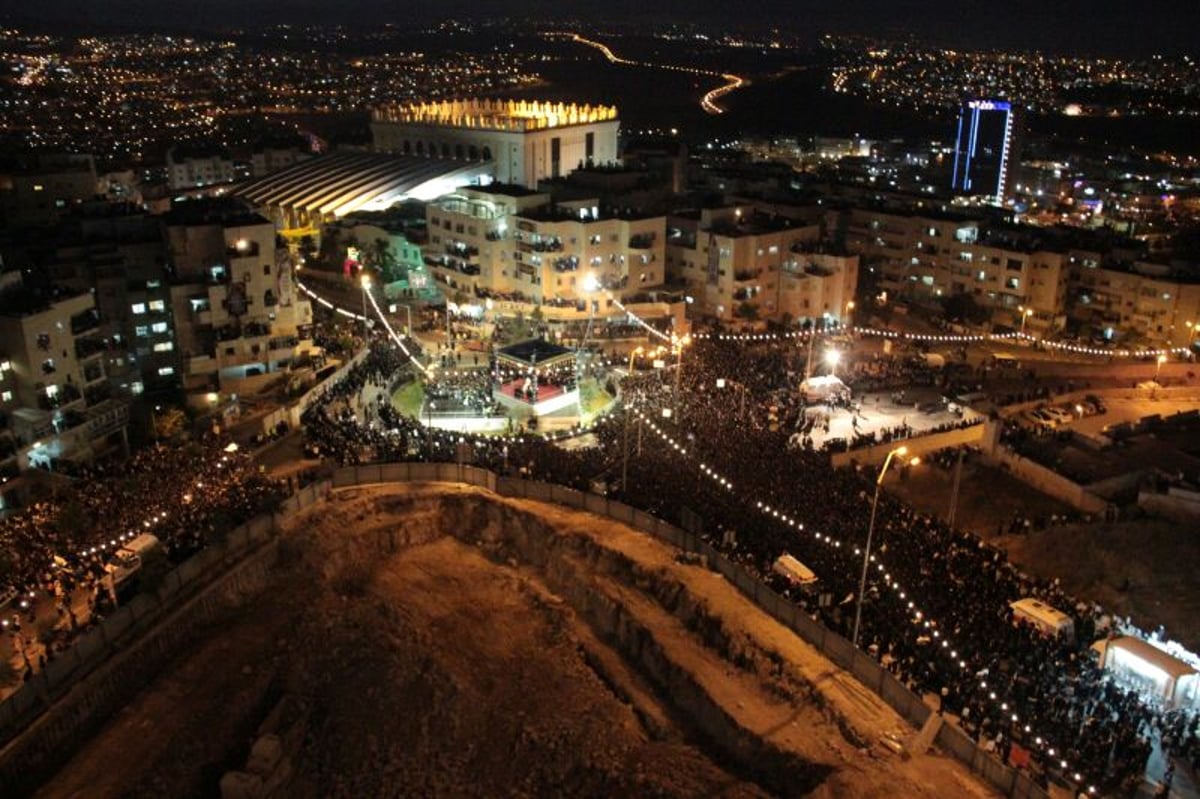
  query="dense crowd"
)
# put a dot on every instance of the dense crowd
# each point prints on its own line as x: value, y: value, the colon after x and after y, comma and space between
x: 1038, y: 702
x: 56, y: 549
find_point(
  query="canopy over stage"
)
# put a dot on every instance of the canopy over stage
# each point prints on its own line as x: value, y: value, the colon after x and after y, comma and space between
x: 536, y: 375
x: 823, y: 388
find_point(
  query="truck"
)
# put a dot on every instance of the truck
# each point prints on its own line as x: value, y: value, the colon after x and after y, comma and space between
x: 127, y: 562
x: 1048, y: 620
x: 795, y: 572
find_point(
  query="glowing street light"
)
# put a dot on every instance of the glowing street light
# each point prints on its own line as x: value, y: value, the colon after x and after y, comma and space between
x: 833, y: 358
x: 365, y: 280
x: 1158, y: 366
x: 633, y: 352
x: 862, y: 584
x: 1025, y: 314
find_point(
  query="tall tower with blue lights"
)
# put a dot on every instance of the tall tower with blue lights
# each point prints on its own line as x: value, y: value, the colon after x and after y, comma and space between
x: 986, y: 148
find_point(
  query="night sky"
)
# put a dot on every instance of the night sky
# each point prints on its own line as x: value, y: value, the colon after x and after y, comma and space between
x: 1098, y: 26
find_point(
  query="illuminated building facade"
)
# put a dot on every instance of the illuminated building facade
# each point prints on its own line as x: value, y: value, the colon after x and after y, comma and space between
x: 985, y: 148
x: 524, y: 140
x: 509, y: 240
x: 239, y: 317
x: 741, y: 263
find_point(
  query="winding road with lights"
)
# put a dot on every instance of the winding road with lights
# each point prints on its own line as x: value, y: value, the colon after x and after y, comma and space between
x: 708, y: 102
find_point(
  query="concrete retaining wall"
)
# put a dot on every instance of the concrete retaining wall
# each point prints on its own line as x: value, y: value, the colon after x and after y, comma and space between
x: 43, y: 722
x: 1048, y: 481
x: 836, y: 648
x: 917, y: 445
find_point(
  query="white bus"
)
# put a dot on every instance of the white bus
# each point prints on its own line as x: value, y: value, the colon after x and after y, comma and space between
x: 1049, y: 620
x: 794, y: 571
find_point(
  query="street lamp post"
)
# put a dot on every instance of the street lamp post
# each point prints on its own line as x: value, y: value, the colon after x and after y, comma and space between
x: 862, y: 584
x: 679, y: 345
x: 632, y: 353
x: 1025, y: 314
x: 366, y: 286
x: 1158, y: 366
x: 429, y: 427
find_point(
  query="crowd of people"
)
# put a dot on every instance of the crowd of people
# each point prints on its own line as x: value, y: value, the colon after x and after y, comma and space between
x: 56, y: 549
x: 1040, y: 703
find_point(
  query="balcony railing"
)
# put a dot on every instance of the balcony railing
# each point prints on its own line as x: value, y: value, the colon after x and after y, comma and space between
x: 89, y: 347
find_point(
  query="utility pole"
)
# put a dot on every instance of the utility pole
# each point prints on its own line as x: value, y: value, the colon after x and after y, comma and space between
x: 812, y: 336
x: 625, y: 455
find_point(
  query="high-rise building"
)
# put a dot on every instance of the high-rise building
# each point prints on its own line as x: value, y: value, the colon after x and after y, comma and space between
x: 986, y: 145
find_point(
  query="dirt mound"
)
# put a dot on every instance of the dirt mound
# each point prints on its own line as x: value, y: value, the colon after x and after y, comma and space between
x: 442, y: 641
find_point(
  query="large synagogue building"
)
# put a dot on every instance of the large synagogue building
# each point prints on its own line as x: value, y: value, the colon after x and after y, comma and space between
x: 525, y: 140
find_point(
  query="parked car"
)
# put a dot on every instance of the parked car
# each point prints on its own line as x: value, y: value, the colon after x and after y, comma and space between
x: 1061, y: 415
x: 1039, y: 418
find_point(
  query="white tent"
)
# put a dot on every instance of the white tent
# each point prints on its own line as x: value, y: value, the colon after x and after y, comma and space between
x: 824, y: 387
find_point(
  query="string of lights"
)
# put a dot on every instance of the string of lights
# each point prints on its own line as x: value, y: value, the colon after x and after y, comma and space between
x: 951, y: 339
x: 917, y: 615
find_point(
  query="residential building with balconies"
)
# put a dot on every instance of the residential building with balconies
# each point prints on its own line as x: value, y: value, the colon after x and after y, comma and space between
x: 53, y: 386
x: 558, y: 250
x: 740, y: 262
x: 469, y: 235
x: 239, y: 316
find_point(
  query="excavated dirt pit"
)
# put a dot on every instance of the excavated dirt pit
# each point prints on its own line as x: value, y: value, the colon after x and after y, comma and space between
x: 441, y: 641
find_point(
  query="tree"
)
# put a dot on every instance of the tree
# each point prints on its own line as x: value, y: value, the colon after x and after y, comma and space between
x: 962, y: 307
x: 380, y: 257
x: 168, y: 423
x: 746, y: 310
x: 307, y: 247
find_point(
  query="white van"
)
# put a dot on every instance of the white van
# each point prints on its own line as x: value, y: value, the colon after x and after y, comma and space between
x: 794, y: 571
x: 127, y: 561
x: 1050, y: 621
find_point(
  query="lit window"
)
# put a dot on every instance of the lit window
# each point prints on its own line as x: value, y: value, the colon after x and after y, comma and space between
x: 164, y: 346
x: 141, y: 330
x: 159, y: 327
x: 38, y: 187
x: 136, y: 387
x: 157, y: 305
x: 5, y: 366
x: 52, y: 390
x: 163, y: 371
x: 139, y: 307
x: 6, y: 396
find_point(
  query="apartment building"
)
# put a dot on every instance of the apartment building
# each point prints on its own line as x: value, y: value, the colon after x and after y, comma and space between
x: 933, y: 255
x: 39, y: 189
x: 239, y: 317
x: 470, y: 237
x: 1155, y: 302
x: 119, y: 253
x: 560, y: 253
x: 195, y: 168
x: 54, y: 396
x: 741, y: 262
x: 506, y: 240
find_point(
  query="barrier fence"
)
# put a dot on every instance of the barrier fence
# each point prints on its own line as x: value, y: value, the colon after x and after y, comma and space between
x: 879, y: 680
x: 141, y: 614
x: 146, y: 611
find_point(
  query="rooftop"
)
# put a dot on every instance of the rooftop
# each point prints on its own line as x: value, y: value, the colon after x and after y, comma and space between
x: 495, y: 114
x: 534, y: 351
x: 563, y: 213
x: 225, y: 211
